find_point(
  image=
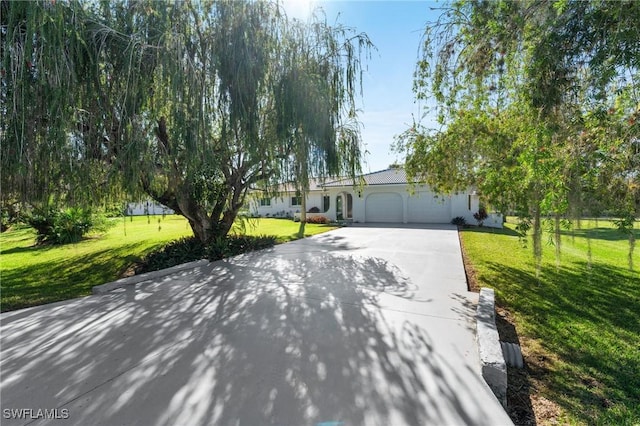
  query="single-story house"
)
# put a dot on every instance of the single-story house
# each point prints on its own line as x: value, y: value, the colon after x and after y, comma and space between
x: 148, y: 207
x: 384, y: 197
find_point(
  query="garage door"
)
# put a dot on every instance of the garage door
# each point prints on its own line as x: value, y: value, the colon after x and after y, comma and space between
x: 384, y: 207
x: 426, y: 207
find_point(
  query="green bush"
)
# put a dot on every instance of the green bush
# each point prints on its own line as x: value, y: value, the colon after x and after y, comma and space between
x: 43, y: 221
x: 175, y: 253
x: 233, y: 245
x: 459, y: 221
x: 9, y: 214
x: 72, y: 225
x: 191, y: 248
x: 54, y: 226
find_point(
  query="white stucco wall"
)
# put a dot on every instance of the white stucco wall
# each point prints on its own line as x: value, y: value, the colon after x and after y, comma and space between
x: 281, y: 205
x: 495, y: 220
x: 419, y: 194
x: 147, y: 207
x: 459, y: 203
x: 462, y: 204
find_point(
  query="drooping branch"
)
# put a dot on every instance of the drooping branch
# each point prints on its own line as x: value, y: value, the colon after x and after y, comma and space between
x: 189, y: 103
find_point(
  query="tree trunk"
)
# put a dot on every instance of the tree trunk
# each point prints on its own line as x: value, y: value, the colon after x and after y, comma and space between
x: 537, y: 238
x: 303, y: 214
x: 205, y: 227
x: 202, y: 230
x: 208, y: 227
x: 558, y: 239
x: 632, y: 246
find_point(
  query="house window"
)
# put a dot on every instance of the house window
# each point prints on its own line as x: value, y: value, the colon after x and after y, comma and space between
x: 265, y: 202
x: 296, y: 201
x: 469, y: 202
x: 326, y: 203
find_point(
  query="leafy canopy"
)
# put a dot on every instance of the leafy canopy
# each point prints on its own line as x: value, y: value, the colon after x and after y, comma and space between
x: 190, y: 103
x: 538, y: 103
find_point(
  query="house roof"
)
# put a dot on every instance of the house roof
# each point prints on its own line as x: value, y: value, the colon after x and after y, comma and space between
x: 314, y: 185
x: 394, y: 176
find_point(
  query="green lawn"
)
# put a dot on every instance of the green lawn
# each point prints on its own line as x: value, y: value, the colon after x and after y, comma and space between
x: 582, y: 318
x: 31, y: 275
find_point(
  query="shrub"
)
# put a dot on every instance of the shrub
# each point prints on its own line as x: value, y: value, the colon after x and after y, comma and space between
x: 459, y: 221
x: 233, y: 245
x: 175, y: 253
x: 55, y: 226
x: 71, y: 225
x: 318, y: 219
x: 480, y: 216
x: 313, y: 210
x: 9, y: 215
x: 43, y: 221
x: 189, y: 249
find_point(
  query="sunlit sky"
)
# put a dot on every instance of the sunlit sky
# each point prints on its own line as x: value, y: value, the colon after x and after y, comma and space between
x: 395, y: 28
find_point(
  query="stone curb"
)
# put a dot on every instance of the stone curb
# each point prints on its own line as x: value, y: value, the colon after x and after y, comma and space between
x: 135, y: 279
x: 494, y: 367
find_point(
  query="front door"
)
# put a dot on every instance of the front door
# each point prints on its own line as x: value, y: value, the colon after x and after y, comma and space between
x: 344, y: 208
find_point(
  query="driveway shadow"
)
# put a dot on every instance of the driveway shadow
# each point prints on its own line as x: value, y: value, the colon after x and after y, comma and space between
x: 257, y: 339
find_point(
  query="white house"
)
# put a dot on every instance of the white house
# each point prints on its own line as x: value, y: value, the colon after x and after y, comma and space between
x: 148, y: 207
x: 384, y: 197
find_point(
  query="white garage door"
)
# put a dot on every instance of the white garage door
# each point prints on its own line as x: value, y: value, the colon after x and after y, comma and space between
x: 425, y: 207
x: 384, y: 207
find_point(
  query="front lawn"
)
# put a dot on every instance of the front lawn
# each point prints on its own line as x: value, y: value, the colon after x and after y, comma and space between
x: 31, y: 275
x: 579, y: 323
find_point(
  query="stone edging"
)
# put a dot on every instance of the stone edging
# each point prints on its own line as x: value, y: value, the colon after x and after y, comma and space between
x: 135, y: 279
x: 494, y: 367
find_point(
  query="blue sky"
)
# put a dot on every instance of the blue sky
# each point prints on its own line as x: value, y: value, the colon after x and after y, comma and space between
x: 395, y: 28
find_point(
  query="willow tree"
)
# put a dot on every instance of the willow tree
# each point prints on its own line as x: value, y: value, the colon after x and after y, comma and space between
x: 74, y: 83
x: 527, y: 94
x: 188, y: 103
x: 317, y: 113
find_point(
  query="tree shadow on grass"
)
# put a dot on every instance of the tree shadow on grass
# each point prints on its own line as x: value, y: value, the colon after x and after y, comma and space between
x: 56, y: 280
x: 486, y: 230
x: 588, y: 317
x: 605, y: 234
x: 258, y: 339
x: 27, y: 249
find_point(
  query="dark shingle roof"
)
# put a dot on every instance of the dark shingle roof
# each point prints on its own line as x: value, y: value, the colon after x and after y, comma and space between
x: 393, y: 176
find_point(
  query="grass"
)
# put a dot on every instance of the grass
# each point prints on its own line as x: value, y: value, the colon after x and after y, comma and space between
x: 34, y: 275
x: 284, y: 229
x: 579, y: 322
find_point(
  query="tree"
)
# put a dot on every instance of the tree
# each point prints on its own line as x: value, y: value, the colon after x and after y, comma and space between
x: 191, y: 104
x: 538, y: 102
x: 313, y: 100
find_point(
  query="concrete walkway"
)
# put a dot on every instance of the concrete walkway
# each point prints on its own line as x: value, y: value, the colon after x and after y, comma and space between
x: 359, y: 326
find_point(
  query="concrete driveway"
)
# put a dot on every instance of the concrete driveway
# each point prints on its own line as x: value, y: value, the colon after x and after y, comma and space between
x: 359, y: 326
